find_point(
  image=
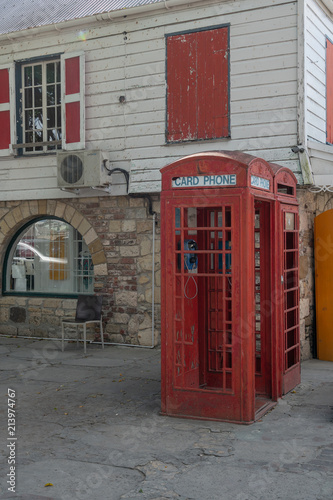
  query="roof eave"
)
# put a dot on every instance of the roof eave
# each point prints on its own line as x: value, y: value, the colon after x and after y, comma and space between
x: 105, y: 16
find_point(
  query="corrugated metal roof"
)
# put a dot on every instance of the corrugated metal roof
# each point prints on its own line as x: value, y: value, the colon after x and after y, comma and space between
x: 17, y: 15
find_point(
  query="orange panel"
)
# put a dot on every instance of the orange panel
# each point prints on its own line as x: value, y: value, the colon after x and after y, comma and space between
x: 323, y: 226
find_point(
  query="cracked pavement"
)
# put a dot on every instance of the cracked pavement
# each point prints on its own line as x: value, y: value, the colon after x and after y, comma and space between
x: 88, y: 427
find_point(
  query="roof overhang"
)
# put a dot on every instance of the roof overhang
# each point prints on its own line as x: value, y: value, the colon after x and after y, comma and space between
x: 83, y: 22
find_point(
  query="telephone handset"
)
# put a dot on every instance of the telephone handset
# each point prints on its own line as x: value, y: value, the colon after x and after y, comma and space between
x: 190, y: 264
x: 190, y: 259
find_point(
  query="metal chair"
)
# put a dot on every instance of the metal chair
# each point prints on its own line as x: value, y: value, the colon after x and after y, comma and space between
x: 88, y: 310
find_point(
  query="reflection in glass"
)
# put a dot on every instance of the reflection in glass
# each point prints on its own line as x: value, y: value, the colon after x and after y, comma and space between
x: 50, y: 257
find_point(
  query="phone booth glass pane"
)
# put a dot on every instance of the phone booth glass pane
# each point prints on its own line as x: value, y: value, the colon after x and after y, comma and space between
x: 291, y: 291
x: 203, y: 298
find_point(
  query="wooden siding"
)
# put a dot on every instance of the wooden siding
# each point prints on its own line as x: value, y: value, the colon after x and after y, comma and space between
x: 127, y: 57
x: 318, y: 26
x: 329, y: 91
x: 321, y: 157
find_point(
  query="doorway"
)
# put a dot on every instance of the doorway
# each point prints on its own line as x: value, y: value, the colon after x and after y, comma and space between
x: 263, y: 302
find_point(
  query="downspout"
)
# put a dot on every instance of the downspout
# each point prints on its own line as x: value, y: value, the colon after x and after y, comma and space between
x: 303, y: 154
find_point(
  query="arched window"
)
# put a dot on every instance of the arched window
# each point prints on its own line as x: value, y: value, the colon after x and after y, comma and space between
x: 48, y: 257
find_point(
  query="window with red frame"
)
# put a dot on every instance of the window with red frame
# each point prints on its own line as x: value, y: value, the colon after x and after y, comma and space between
x: 198, y: 85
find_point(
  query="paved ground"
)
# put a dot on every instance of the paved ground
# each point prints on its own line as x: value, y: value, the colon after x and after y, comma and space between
x: 89, y: 427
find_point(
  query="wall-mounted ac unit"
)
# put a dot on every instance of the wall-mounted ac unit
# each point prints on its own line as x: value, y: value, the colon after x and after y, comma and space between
x: 78, y: 169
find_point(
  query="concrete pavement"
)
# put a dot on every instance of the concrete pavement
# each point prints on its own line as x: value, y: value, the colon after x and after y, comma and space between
x: 88, y: 427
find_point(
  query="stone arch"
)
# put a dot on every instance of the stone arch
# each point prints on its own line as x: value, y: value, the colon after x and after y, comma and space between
x: 27, y: 211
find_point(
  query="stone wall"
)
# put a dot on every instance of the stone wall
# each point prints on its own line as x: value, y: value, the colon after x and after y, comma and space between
x: 119, y: 234
x: 118, y: 231
x: 310, y: 205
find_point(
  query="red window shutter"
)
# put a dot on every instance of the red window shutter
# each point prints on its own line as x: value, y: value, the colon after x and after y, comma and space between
x: 198, y: 85
x: 329, y: 92
x: 213, y: 84
x: 181, y: 95
x: 6, y: 110
x: 73, y: 111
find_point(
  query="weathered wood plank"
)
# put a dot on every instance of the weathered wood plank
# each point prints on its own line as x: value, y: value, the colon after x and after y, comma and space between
x: 262, y: 65
x: 264, y: 77
x: 262, y: 91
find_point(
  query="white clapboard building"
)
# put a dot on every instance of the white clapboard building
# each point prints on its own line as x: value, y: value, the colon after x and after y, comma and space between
x: 96, y: 97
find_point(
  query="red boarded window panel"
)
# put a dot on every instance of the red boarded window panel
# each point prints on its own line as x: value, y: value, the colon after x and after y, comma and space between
x: 73, y: 100
x: 198, y: 85
x: 5, y: 133
x: 4, y: 130
x: 72, y: 72
x: 72, y: 122
x: 4, y: 86
x: 329, y: 91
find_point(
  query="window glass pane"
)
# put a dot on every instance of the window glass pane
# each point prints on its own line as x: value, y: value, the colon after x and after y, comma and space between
x: 28, y: 98
x: 28, y: 76
x: 38, y: 136
x: 38, y: 97
x: 28, y: 119
x: 38, y: 74
x: 58, y: 101
x: 50, y: 73
x: 39, y: 119
x: 50, y: 257
x: 41, y: 90
x: 51, y: 117
x: 59, y: 116
x: 57, y: 64
x: 50, y: 96
x: 29, y: 137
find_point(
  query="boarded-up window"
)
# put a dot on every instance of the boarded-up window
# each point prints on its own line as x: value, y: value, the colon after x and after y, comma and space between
x: 198, y: 85
x: 329, y: 91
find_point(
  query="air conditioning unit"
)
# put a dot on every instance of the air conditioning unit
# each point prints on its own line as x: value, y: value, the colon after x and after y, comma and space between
x: 79, y: 169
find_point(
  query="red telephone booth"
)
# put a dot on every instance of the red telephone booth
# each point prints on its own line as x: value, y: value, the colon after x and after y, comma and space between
x: 230, y: 298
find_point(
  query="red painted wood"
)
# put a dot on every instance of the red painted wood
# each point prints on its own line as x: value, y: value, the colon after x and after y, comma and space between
x: 329, y: 91
x: 291, y: 320
x: 198, y: 85
x: 4, y: 129
x: 212, y: 84
x: 72, y: 78
x: 4, y: 115
x: 4, y: 86
x: 181, y: 93
x: 264, y: 315
x: 72, y: 122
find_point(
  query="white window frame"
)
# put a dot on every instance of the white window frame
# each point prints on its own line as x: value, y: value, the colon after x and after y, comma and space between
x: 44, y: 107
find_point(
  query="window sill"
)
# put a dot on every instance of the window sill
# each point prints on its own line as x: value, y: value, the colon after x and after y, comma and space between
x: 192, y: 141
